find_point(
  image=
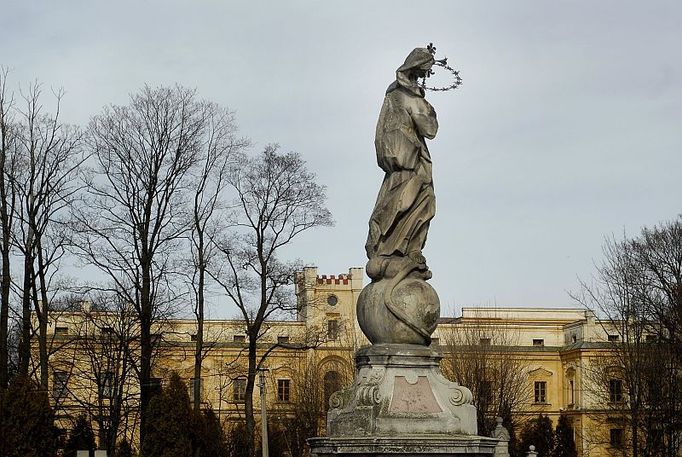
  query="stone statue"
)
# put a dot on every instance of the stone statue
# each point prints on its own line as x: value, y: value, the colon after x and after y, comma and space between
x: 399, y: 403
x: 399, y: 306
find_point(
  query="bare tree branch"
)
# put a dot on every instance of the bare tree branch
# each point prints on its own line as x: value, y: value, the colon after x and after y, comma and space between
x: 276, y: 199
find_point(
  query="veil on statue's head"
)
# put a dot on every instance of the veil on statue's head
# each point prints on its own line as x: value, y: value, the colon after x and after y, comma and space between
x: 419, y: 58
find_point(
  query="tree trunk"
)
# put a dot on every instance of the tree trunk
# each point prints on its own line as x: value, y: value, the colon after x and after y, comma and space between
x: 198, y: 350
x: 42, y: 310
x: 635, y: 436
x: 248, y: 400
x: 145, y: 373
x: 110, y: 443
x: 5, y: 225
x: 196, y: 388
x: 146, y: 349
x: 119, y: 381
x: 42, y: 347
x: 6, y: 278
x: 25, y: 346
x: 4, y: 285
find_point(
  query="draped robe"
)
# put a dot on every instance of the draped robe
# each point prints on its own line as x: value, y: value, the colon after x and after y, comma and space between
x: 406, y: 202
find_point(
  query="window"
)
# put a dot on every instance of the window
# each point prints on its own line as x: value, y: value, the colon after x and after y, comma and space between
x: 540, y: 392
x: 650, y: 338
x: 486, y: 394
x: 332, y: 383
x: 108, y: 384
x: 108, y: 334
x: 435, y: 341
x: 614, y: 338
x: 193, y: 337
x: 61, y: 331
x: 616, y: 437
x: 574, y: 338
x: 571, y: 392
x: 538, y: 342
x: 332, y: 300
x: 332, y: 329
x: 283, y: 390
x: 239, y: 390
x: 282, y: 339
x: 195, y: 388
x: 615, y: 390
x: 239, y: 339
x: 484, y: 341
x: 59, y: 383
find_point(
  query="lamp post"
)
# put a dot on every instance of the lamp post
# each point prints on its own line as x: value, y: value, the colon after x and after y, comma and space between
x: 263, y: 412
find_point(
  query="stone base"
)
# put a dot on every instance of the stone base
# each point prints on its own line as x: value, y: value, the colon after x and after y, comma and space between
x: 404, y: 445
x: 399, y: 391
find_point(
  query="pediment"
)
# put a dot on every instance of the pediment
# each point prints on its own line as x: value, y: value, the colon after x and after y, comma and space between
x: 539, y: 371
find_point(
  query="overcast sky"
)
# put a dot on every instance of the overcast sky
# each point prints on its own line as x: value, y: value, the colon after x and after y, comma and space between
x: 568, y: 127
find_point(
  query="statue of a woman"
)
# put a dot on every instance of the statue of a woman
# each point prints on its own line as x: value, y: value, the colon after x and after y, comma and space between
x: 399, y: 306
x: 406, y: 202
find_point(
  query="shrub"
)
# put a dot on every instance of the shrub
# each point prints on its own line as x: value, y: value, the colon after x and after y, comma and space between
x: 169, y: 422
x: 81, y: 438
x: 26, y: 421
x: 564, y: 445
x: 539, y: 433
x: 124, y: 449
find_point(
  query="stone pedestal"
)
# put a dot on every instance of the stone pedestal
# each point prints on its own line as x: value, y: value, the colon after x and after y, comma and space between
x: 404, y: 446
x: 400, y: 404
x: 399, y: 389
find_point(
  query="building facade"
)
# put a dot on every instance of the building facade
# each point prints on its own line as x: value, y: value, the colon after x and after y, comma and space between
x: 556, y: 351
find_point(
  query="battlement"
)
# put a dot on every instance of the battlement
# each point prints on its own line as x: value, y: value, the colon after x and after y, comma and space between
x: 331, y: 279
x: 309, y: 279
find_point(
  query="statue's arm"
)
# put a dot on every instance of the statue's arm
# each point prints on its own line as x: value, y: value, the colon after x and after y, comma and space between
x: 424, y: 117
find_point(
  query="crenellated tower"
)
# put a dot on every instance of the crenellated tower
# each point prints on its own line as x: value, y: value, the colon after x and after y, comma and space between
x: 328, y: 302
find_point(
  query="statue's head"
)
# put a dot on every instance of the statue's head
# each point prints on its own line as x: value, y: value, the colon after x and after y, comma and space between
x: 418, y: 64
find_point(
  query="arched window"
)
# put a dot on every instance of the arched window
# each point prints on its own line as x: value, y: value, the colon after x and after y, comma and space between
x: 332, y: 383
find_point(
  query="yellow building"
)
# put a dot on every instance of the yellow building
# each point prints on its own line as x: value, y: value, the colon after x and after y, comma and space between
x: 555, y: 349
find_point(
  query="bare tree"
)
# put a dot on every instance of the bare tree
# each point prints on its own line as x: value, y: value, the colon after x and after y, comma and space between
x: 635, y: 400
x: 479, y: 354
x: 40, y: 158
x: 616, y: 294
x: 220, y: 149
x: 658, y: 254
x: 135, y: 211
x: 106, y: 348
x: 43, y: 183
x: 304, y: 416
x: 636, y: 381
x: 277, y: 199
x: 7, y: 156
